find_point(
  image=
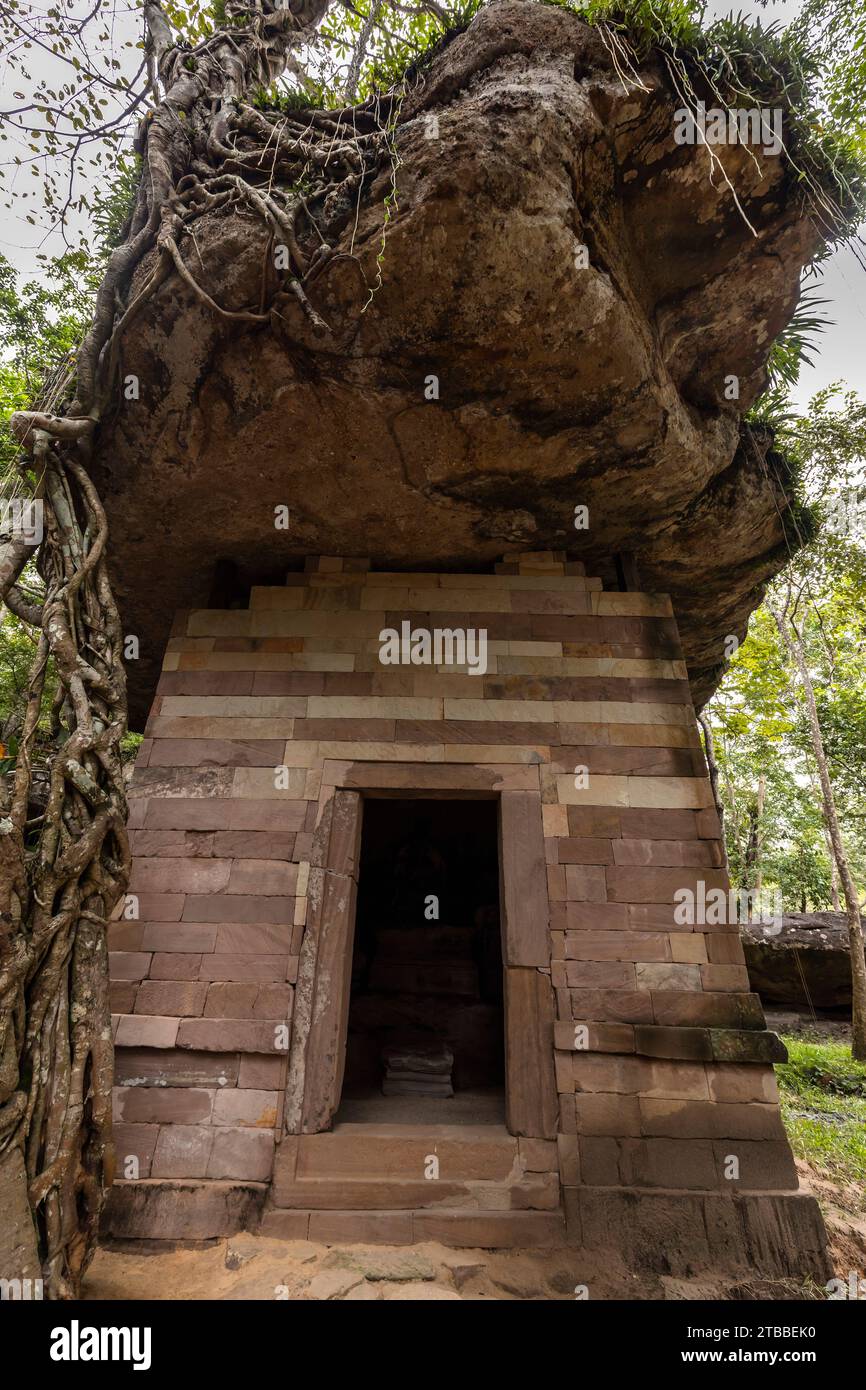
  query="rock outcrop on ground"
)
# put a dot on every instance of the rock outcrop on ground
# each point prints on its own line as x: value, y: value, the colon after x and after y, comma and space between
x: 805, y: 964
x: 564, y: 377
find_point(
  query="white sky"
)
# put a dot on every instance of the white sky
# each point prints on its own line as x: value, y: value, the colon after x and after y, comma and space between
x: 839, y: 355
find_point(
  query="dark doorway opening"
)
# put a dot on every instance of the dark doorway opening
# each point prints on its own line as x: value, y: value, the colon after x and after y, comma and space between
x: 425, y: 1039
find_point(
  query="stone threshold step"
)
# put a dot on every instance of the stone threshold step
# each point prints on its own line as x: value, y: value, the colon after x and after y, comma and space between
x: 372, y: 1192
x: 507, y: 1230
x: 404, y: 1152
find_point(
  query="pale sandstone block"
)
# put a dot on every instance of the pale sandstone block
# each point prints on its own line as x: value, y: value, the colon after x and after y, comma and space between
x: 668, y: 976
x: 390, y: 579
x: 259, y: 783
x: 442, y: 600
x: 315, y: 623
x: 269, y: 598
x: 649, y: 735
x: 602, y: 791
x: 631, y: 605
x: 302, y: 754
x: 372, y: 707
x: 233, y: 706
x: 491, y: 753
x: 217, y: 622
x: 171, y: 661
x: 207, y: 726
x: 391, y: 752
x: 686, y: 947
x: 397, y: 599
x: 308, y: 660
x: 664, y: 793
x: 190, y: 644
x: 533, y: 649
x: 620, y: 712
x: 504, y: 711
x: 555, y: 820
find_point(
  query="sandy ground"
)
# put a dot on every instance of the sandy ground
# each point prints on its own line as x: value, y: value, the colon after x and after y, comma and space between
x: 253, y: 1267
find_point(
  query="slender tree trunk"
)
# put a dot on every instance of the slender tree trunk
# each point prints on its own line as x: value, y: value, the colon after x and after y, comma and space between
x: 793, y: 642
x: 713, y: 768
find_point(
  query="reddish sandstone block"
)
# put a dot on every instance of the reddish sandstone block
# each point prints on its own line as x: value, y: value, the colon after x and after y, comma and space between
x: 763, y: 1164
x: 584, y: 1036
x: 274, y: 1001
x: 581, y: 917
x: 241, y: 1153
x: 724, y: 977
x: 667, y: 853
x: 139, y: 1030
x: 643, y: 824
x: 134, y: 1142
x: 585, y: 883
x: 216, y: 752
x: 244, y: 967
x: 253, y: 844
x: 262, y: 1073
x: 249, y: 939
x: 179, y: 875
x: 604, y: 1114
x: 128, y: 965
x: 125, y: 936
x: 635, y: 885
x: 639, y: 1076
x: 584, y: 851
x: 262, y: 876
x: 171, y: 844
x: 175, y: 966
x: 148, y: 1067
x: 207, y: 683
x: 121, y: 994
x: 246, y: 1107
x: 707, y: 1010
x: 182, y: 1151
x: 612, y: 1006
x: 669, y: 1163
x: 737, y: 1084
x: 178, y: 936
x: 157, y: 1105
x: 693, y: 1119
x: 724, y: 948
x: 616, y: 945
x: 585, y: 974
x: 234, y: 1000
x: 592, y: 822
x: 160, y: 906
x: 177, y: 998
x: 228, y: 1035
x: 226, y: 910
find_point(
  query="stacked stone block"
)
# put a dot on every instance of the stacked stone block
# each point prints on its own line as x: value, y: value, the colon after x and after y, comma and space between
x: 659, y: 1051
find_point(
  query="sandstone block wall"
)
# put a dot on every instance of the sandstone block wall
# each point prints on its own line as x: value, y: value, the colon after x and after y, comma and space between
x: 660, y: 1060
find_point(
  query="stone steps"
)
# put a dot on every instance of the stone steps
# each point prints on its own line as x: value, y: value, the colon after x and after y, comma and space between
x: 362, y: 1167
x: 489, y: 1230
x: 476, y: 1152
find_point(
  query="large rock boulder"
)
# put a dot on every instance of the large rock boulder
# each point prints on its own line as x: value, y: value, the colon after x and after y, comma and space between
x: 807, y: 963
x: 560, y: 383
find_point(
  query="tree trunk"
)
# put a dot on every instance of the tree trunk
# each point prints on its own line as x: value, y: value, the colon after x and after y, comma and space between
x: 793, y: 642
x: 713, y: 768
x: 202, y: 146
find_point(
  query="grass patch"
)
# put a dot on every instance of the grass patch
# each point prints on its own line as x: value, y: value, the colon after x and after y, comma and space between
x: 823, y: 1095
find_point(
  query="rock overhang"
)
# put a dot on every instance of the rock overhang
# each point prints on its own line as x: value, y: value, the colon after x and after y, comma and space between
x: 561, y: 297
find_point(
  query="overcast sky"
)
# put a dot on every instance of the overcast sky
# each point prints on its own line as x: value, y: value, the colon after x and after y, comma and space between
x: 842, y: 282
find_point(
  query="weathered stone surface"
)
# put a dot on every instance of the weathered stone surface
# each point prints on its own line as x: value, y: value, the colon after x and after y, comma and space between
x: 814, y: 943
x: 558, y: 385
